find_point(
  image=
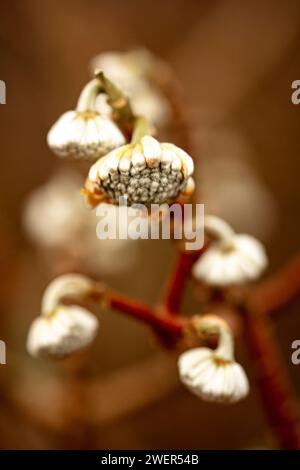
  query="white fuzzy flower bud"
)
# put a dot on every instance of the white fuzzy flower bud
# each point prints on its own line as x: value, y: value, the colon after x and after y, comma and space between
x: 56, y: 219
x: 65, y: 331
x: 214, y: 375
x: 54, y: 213
x: 62, y: 329
x: 147, y: 172
x: 231, y: 259
x: 84, y: 133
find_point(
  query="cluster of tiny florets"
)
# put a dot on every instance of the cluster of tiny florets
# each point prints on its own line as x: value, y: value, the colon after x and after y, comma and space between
x: 148, y: 185
x: 147, y: 173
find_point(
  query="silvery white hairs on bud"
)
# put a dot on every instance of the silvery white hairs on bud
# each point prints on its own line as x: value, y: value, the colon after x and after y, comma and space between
x: 61, y: 329
x: 214, y: 375
x: 67, y: 330
x: 232, y: 258
x: 85, y: 133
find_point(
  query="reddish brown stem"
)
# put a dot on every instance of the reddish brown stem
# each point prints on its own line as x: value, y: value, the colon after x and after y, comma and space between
x: 177, y: 281
x: 273, y: 384
x: 274, y: 294
x: 165, y: 326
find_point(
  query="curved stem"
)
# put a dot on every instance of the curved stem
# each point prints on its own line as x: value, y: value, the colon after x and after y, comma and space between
x: 141, y: 128
x: 73, y: 286
x: 213, y: 324
x: 225, y: 347
x: 87, y: 98
x: 167, y: 327
x: 219, y: 229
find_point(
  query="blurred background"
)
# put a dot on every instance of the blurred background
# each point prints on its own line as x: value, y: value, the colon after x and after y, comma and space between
x: 235, y: 62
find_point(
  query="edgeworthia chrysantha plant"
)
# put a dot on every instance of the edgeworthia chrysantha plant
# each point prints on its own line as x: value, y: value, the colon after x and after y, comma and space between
x: 213, y: 375
x: 85, y: 133
x: 62, y: 329
x: 231, y: 258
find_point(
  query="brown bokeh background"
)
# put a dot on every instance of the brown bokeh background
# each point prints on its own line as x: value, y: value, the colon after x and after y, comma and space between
x: 236, y: 62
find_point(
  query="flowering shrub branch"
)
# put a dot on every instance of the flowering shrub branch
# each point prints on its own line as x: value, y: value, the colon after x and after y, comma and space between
x: 276, y: 392
x: 129, y: 161
x: 164, y: 325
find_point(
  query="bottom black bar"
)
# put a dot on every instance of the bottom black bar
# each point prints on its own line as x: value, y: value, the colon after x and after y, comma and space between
x: 150, y: 458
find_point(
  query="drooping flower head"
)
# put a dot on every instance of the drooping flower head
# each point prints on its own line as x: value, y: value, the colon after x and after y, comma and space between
x: 54, y: 213
x: 85, y: 133
x: 61, y: 329
x: 231, y: 258
x: 213, y: 375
